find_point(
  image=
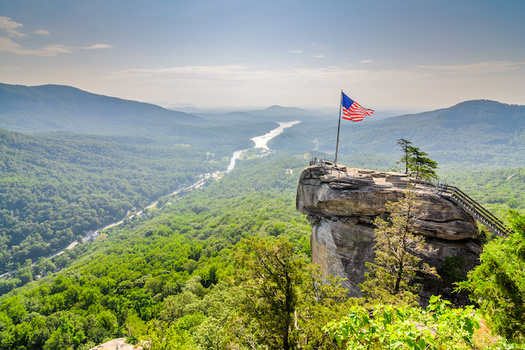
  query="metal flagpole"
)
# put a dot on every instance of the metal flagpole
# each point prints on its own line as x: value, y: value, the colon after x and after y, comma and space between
x: 338, y: 128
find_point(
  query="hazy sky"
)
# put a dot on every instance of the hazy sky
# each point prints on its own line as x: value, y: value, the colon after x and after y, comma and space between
x: 385, y: 54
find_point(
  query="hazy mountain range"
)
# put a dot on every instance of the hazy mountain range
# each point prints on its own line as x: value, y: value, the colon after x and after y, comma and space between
x: 56, y: 107
x: 479, y: 133
x: 473, y: 134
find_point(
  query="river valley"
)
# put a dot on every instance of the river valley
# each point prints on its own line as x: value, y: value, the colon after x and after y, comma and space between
x: 260, y: 142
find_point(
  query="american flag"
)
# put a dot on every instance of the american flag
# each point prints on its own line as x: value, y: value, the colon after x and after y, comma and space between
x: 354, y: 111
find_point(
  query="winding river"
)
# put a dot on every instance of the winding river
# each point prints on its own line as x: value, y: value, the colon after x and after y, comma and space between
x: 259, y: 141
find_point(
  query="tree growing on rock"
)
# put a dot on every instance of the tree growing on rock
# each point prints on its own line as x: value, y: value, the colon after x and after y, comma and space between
x: 417, y: 161
x: 405, y: 147
x: 390, y: 278
x: 422, y: 166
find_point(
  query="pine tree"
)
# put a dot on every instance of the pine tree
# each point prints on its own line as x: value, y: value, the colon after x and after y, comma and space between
x: 390, y: 277
x: 405, y: 147
x: 417, y: 161
x: 422, y: 166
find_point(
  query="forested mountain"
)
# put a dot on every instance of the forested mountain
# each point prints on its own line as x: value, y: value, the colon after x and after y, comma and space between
x: 272, y: 113
x: 498, y: 190
x: 172, y: 264
x: 170, y: 275
x: 56, y: 107
x: 56, y: 186
x: 471, y: 135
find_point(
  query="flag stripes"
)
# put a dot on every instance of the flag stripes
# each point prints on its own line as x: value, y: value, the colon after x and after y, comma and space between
x: 354, y: 111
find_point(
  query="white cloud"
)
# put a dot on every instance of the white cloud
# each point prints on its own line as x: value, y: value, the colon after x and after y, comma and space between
x: 479, y: 68
x: 296, y: 51
x: 367, y: 61
x: 229, y: 84
x: 10, y: 26
x: 319, y: 56
x: 42, y: 32
x: 7, y: 45
x: 238, y: 73
x: 52, y: 50
x: 11, y: 68
x: 97, y: 47
x: 232, y: 72
x: 313, y: 87
x: 8, y: 23
x: 15, y: 33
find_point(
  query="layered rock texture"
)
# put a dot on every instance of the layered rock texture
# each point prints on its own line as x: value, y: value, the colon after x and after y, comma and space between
x: 341, y: 204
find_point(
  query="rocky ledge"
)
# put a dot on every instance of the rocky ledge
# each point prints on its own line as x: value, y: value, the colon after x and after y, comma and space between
x: 341, y: 204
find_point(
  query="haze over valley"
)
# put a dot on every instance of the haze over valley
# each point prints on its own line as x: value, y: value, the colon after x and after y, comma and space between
x: 156, y: 158
x: 74, y: 162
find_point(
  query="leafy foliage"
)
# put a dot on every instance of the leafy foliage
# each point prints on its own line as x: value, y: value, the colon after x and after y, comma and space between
x: 281, y: 299
x: 54, y: 188
x: 390, y: 278
x: 404, y: 327
x: 498, y: 190
x: 269, y: 275
x: 405, y: 147
x: 422, y: 166
x: 415, y: 160
x: 162, y: 277
x: 498, y: 283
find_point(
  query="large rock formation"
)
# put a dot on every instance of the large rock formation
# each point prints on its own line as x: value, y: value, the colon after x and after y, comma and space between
x: 341, y: 204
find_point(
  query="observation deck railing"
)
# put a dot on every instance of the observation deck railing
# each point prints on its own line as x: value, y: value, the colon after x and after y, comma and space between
x: 455, y: 194
x: 475, y: 209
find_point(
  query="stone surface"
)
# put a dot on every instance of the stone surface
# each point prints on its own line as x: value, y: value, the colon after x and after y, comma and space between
x: 341, y: 204
x: 117, y: 344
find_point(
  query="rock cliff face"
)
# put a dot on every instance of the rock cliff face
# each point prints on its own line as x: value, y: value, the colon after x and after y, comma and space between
x: 341, y: 204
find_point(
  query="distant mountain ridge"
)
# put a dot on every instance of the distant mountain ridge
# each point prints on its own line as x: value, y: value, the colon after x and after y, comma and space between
x: 276, y: 110
x: 474, y: 133
x: 59, y: 107
x: 475, y: 111
x: 273, y: 113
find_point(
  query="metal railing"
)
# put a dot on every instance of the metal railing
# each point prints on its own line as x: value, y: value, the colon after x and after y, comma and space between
x: 475, y: 209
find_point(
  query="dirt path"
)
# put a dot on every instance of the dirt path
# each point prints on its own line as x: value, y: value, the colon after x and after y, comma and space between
x: 116, y: 344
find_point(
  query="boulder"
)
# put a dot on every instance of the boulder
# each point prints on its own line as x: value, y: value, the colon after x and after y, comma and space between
x: 342, y: 203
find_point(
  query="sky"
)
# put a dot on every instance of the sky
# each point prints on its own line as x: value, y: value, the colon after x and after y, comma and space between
x: 386, y: 54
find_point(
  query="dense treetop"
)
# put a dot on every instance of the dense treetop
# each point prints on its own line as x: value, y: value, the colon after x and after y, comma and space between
x: 170, y: 276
